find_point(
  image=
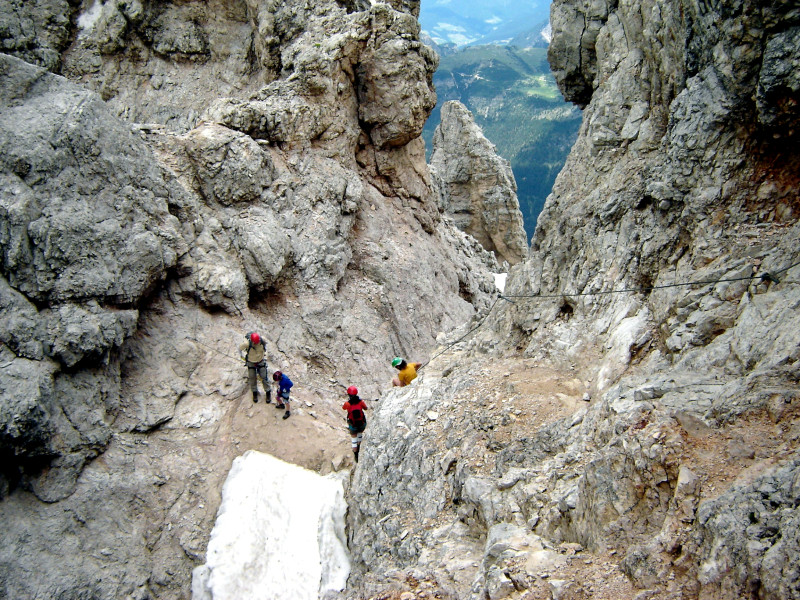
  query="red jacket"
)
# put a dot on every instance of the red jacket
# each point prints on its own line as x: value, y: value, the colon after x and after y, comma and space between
x: 349, y: 407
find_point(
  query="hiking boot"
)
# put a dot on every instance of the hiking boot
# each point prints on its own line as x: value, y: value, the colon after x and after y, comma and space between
x: 355, y: 455
x: 280, y: 405
x: 255, y: 396
x: 287, y: 414
x: 269, y: 396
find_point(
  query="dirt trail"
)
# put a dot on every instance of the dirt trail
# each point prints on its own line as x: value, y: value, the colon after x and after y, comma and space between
x: 314, y: 436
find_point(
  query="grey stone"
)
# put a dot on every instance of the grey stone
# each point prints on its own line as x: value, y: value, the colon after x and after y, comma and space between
x: 572, y: 52
x: 477, y: 186
x: 511, y: 478
x: 693, y: 425
x: 118, y: 247
x: 761, y: 510
x: 779, y: 83
x: 498, y: 585
x: 37, y: 32
x: 72, y: 268
x: 737, y: 449
x: 447, y: 461
x: 559, y: 588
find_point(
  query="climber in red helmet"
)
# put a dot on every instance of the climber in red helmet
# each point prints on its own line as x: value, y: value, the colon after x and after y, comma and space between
x: 253, y: 351
x: 356, y: 419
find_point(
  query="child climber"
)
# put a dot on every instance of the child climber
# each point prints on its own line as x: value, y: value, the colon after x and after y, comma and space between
x: 356, y: 419
x: 283, y: 385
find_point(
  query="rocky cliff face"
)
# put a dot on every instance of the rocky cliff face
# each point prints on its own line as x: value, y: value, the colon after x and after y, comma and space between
x: 619, y: 431
x: 203, y: 170
x: 477, y: 186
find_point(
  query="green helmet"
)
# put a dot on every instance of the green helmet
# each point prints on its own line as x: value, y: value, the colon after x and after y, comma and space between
x: 397, y: 360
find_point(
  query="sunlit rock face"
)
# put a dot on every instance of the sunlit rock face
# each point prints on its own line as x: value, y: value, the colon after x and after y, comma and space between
x: 686, y: 415
x: 678, y: 173
x: 176, y: 175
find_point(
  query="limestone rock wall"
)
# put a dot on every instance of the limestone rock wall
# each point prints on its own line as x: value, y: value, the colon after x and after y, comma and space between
x: 172, y: 51
x: 174, y: 175
x: 677, y: 176
x: 678, y: 462
x: 75, y: 271
x: 478, y: 187
x: 37, y: 31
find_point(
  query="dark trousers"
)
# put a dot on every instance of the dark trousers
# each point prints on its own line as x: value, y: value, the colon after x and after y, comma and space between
x: 257, y: 370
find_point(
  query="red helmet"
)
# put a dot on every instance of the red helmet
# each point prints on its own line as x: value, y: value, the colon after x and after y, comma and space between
x: 352, y: 391
x: 276, y: 375
x: 255, y: 338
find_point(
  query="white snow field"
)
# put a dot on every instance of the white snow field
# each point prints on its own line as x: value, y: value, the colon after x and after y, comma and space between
x: 500, y: 281
x: 279, y: 535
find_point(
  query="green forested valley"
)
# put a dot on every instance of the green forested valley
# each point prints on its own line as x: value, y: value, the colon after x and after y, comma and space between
x: 516, y: 102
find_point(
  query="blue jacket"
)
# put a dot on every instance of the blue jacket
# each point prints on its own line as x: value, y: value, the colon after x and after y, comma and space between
x: 284, y: 385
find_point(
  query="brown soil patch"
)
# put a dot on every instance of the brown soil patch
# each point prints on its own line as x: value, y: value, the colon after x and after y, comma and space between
x: 741, y: 451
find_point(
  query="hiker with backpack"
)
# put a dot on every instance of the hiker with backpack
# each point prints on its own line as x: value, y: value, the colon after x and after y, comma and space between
x: 283, y: 384
x: 407, y: 372
x: 356, y: 419
x: 253, y: 351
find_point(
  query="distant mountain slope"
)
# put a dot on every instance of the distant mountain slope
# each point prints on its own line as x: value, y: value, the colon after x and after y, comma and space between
x: 516, y: 102
x: 537, y: 37
x: 476, y: 22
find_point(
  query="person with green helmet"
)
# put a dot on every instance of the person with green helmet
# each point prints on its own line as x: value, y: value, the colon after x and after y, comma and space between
x: 407, y: 372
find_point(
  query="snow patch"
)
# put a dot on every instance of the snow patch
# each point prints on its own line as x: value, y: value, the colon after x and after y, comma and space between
x: 279, y: 535
x: 87, y: 20
x: 547, y: 33
x: 500, y: 281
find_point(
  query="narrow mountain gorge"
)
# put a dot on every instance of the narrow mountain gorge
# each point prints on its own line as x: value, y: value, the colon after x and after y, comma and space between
x: 622, y: 423
x: 514, y: 98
